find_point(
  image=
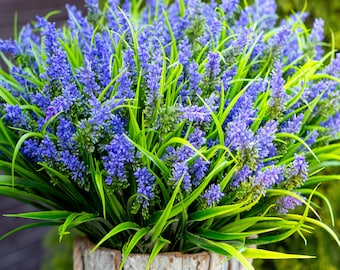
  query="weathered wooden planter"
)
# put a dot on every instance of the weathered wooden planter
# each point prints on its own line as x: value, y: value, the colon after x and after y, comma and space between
x: 107, y: 259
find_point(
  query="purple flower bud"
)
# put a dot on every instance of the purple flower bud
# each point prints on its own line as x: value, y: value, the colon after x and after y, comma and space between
x: 213, y: 195
x: 286, y: 203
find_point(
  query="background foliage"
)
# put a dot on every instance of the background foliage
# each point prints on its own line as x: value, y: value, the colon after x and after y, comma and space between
x: 328, y: 10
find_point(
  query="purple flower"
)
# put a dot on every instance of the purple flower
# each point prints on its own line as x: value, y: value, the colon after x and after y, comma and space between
x: 117, y: 125
x: 297, y: 172
x: 100, y: 113
x: 244, y: 109
x: 334, y: 67
x: 144, y: 47
x: 229, y: 6
x: 196, y: 114
x: 265, y: 13
x: 332, y: 125
x: 153, y: 77
x: 59, y: 104
x: 311, y: 139
x: 280, y: 39
x: 58, y: 70
x: 197, y: 138
x: 184, y: 52
x: 213, y: 65
x: 264, y: 137
x: 40, y: 100
x: 286, y: 203
x: 87, y: 77
x: 21, y: 77
x: 239, y: 136
x: 145, y: 181
x: 227, y: 77
x: 65, y: 133
x: 193, y: 88
x: 198, y: 171
x: 269, y: 177
x: 49, y: 32
x: 16, y: 117
x: 213, y: 195
x: 92, y: 5
x: 9, y: 46
x: 293, y: 126
x: 278, y: 95
x: 242, y: 40
x: 300, y: 166
x: 75, y: 167
x: 180, y: 171
x: 242, y: 176
x: 214, y: 25
x: 120, y: 153
x: 48, y: 150
x: 317, y: 36
x: 31, y: 150
x: 80, y: 28
x: 125, y: 81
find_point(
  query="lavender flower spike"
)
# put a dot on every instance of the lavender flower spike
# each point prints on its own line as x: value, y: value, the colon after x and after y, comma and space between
x: 145, y: 181
x: 213, y: 195
x: 278, y: 95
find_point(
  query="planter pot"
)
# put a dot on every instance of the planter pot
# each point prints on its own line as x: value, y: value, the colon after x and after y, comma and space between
x: 108, y: 259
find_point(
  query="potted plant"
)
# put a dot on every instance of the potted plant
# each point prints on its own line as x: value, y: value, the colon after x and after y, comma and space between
x: 182, y: 127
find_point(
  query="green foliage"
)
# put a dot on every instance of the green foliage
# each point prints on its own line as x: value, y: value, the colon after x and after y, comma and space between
x: 176, y: 218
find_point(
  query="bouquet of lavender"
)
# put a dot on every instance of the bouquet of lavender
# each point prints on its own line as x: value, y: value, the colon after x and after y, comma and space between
x: 171, y: 127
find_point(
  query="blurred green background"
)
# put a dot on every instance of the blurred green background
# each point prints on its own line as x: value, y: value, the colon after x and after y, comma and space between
x: 320, y: 243
x: 329, y: 10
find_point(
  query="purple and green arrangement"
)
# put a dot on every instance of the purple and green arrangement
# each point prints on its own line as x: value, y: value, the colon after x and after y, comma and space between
x: 173, y: 127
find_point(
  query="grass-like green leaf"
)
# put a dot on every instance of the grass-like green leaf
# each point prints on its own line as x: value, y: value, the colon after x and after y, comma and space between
x: 127, y: 249
x: 42, y: 215
x: 255, y: 253
x: 160, y: 243
x: 117, y: 229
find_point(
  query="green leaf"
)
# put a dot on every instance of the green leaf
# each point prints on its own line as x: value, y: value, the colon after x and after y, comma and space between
x: 127, y: 249
x: 7, y: 97
x: 26, y: 197
x: 324, y: 198
x: 317, y: 223
x: 294, y: 137
x: 161, y: 242
x: 73, y: 220
x: 255, y: 253
x: 216, y: 211
x: 158, y: 162
x: 103, y: 93
x: 18, y: 146
x: 100, y: 189
x: 42, y: 215
x: 313, y: 180
x: 119, y: 228
x: 166, y: 214
x: 178, y: 140
x: 215, y: 235
x: 178, y: 208
x: 28, y: 226
x: 219, y: 248
x: 245, y: 223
